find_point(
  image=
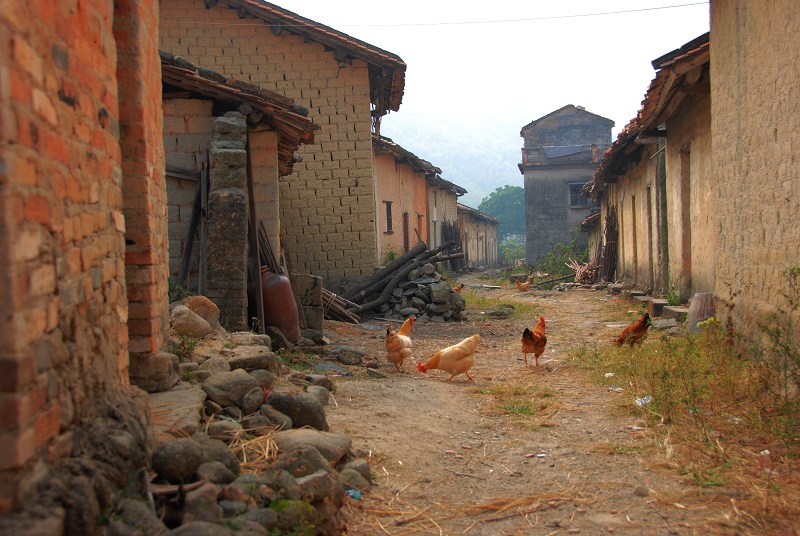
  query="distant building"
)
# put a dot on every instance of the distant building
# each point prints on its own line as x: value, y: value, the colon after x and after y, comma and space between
x: 560, y: 154
x: 478, y: 237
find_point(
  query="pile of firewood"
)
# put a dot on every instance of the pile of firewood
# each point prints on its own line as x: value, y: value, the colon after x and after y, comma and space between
x: 336, y: 308
x: 585, y: 273
x: 395, y: 287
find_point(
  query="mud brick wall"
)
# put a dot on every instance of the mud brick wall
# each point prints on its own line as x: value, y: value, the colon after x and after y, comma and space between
x: 187, y: 136
x: 266, y: 187
x: 755, y: 132
x: 63, y: 134
x: 327, y: 204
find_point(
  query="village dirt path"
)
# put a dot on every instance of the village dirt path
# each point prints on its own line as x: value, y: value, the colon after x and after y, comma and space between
x: 447, y: 462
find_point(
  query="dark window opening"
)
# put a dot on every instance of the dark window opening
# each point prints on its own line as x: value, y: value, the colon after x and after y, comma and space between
x: 388, y: 205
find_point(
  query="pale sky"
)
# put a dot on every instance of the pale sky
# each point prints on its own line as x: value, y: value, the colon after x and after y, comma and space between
x: 480, y: 71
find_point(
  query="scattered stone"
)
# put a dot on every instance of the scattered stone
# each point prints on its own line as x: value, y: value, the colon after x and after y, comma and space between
x: 321, y: 485
x: 225, y: 430
x: 278, y: 339
x: 215, y: 450
x: 216, y: 364
x: 188, y: 323
x: 331, y: 445
x: 641, y: 491
x: 248, y: 338
x: 354, y: 480
x: 257, y: 424
x: 252, y: 358
x: 216, y: 472
x: 361, y: 466
x: 136, y: 514
x: 281, y: 420
x: 202, y: 353
x: 321, y: 380
x: 234, y: 412
x: 375, y: 373
x: 201, y: 504
x: 440, y: 293
x: 178, y: 410
x: 303, y: 408
x: 320, y: 393
x: 251, y: 401
x: 204, y: 308
x: 177, y: 460
x: 225, y: 388
x: 265, y: 517
x: 201, y: 528
x: 301, y: 461
x: 264, y: 378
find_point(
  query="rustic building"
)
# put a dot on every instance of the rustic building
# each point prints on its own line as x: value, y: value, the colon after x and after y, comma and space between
x: 401, y: 196
x: 327, y: 204
x: 755, y: 132
x: 226, y: 143
x: 442, y: 208
x: 478, y: 237
x: 655, y: 180
x: 83, y: 280
x: 560, y: 153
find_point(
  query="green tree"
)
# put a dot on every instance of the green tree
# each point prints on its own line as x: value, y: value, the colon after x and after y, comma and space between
x: 507, y: 204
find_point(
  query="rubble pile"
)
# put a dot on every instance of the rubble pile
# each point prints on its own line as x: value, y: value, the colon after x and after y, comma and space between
x: 425, y: 295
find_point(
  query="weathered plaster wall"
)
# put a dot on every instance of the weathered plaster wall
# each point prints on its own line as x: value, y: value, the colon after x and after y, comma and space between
x: 395, y: 182
x: 689, y: 180
x: 549, y: 220
x: 755, y: 129
x: 327, y: 204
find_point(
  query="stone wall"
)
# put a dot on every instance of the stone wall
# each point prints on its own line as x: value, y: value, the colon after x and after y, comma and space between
x: 68, y: 143
x: 327, y: 204
x: 228, y: 216
x: 755, y: 131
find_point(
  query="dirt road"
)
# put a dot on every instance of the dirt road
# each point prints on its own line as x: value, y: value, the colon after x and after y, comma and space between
x: 520, y: 451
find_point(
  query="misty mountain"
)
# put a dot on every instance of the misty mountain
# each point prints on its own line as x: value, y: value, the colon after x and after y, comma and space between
x: 479, y: 160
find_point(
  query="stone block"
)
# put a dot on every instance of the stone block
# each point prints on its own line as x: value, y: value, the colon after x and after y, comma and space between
x: 154, y: 372
x: 228, y: 169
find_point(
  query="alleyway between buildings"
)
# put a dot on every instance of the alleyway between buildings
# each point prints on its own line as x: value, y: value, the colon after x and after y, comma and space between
x: 522, y: 450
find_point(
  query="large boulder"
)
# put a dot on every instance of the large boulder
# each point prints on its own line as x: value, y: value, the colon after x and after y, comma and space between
x: 188, y: 323
x: 331, y: 445
x: 177, y: 460
x: 303, y: 408
x: 225, y: 388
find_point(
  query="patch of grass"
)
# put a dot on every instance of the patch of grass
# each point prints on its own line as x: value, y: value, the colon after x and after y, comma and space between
x: 520, y: 400
x: 611, y: 448
x: 298, y: 360
x: 725, y: 407
x: 478, y: 301
x: 518, y: 409
x: 183, y: 347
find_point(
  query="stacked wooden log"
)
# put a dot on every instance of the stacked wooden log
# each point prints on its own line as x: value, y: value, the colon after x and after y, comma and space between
x: 336, y: 308
x: 410, y: 285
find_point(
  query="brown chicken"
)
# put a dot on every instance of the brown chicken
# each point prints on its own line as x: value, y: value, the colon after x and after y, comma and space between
x: 398, y: 345
x: 456, y: 359
x: 534, y: 341
x: 635, y: 333
x: 458, y: 288
x: 523, y: 286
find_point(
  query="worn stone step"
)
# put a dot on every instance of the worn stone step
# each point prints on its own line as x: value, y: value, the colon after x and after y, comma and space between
x: 655, y: 306
x: 678, y: 312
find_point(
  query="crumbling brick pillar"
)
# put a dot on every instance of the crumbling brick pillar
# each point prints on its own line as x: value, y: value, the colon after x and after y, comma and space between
x: 228, y: 216
x: 145, y: 203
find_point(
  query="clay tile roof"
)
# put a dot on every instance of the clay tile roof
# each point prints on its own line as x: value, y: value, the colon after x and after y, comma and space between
x: 476, y: 214
x: 418, y: 164
x: 662, y: 99
x: 386, y: 70
x: 258, y: 104
x: 382, y: 143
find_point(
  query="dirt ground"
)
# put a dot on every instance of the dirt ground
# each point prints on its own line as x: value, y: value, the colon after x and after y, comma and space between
x: 448, y: 460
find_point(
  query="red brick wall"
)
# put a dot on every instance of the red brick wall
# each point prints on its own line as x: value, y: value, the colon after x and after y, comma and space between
x: 63, y: 334
x: 143, y: 182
